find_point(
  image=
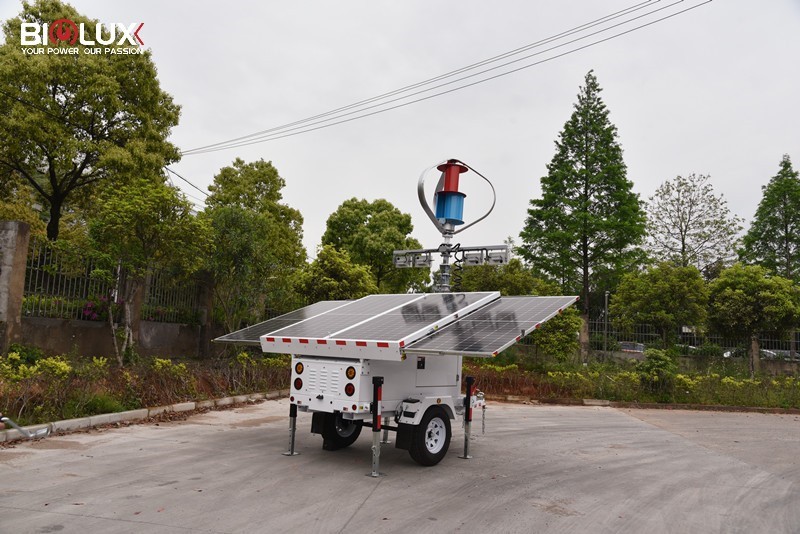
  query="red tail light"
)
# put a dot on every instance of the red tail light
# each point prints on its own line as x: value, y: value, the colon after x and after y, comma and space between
x: 349, y: 389
x: 298, y: 384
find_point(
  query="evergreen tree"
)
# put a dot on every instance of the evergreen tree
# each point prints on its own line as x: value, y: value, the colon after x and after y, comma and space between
x: 774, y: 236
x: 586, y: 227
x: 773, y: 239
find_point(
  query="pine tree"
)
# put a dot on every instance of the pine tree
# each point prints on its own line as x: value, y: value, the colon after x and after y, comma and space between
x: 773, y: 239
x: 585, y: 229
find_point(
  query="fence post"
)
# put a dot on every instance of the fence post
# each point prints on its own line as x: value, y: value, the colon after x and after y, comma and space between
x: 205, y: 306
x: 14, y: 237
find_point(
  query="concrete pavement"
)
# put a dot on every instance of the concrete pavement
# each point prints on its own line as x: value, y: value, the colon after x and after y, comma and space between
x: 537, y: 469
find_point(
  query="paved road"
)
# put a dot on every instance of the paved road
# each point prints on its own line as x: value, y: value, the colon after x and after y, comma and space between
x: 538, y: 469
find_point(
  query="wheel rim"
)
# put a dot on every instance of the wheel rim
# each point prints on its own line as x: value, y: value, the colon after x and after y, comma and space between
x: 345, y: 428
x: 435, y: 435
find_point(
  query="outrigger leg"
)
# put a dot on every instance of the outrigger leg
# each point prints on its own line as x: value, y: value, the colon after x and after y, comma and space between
x: 292, y: 430
x: 377, y: 385
x: 468, y: 418
x: 385, y: 440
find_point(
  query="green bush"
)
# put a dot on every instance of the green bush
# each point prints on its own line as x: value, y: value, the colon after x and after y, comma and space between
x: 27, y: 354
x: 94, y: 404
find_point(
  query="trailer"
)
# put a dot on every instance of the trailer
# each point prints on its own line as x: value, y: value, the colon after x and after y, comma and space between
x: 393, y: 363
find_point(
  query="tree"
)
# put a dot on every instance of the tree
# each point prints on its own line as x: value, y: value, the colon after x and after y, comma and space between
x: 665, y: 296
x: 512, y: 278
x: 746, y: 301
x: 257, y: 242
x: 333, y: 276
x: 557, y: 337
x: 16, y: 203
x: 145, y: 225
x: 588, y: 222
x: 689, y: 225
x: 370, y: 232
x: 68, y: 122
x: 773, y: 239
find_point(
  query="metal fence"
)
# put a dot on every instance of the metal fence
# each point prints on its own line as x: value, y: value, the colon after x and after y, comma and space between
x: 65, y: 286
x: 169, y: 299
x: 689, y: 342
x: 61, y: 286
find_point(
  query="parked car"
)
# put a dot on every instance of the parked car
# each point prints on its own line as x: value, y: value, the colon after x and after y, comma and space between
x: 630, y: 346
x: 741, y: 353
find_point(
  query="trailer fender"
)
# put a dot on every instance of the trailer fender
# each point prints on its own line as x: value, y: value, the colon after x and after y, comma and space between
x: 411, y: 411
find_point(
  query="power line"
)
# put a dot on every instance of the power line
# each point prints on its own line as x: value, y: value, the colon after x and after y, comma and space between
x: 278, y: 135
x: 185, y: 180
x: 281, y: 132
x: 575, y: 29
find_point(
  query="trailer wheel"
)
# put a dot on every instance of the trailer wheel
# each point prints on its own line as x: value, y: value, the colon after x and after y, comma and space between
x: 431, y: 437
x: 338, y: 433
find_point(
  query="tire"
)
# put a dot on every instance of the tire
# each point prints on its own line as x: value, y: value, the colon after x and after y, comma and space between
x: 431, y: 437
x: 338, y: 433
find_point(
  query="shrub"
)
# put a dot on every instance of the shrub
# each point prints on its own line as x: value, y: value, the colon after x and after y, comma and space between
x: 657, y: 371
x: 26, y: 353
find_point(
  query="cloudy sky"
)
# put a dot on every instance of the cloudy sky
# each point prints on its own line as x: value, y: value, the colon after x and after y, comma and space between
x: 714, y: 90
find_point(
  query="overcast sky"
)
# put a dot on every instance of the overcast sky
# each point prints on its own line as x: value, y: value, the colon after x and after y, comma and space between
x: 715, y: 91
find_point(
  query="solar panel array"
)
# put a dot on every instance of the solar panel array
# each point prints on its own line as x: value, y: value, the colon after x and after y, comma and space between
x: 412, y: 317
x: 251, y: 334
x: 492, y: 328
x: 495, y: 323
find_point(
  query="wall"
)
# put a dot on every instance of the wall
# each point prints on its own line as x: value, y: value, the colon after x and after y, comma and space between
x: 92, y: 338
x: 14, y: 238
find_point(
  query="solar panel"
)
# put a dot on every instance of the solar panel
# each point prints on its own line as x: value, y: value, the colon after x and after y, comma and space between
x: 345, y: 316
x: 376, y: 327
x: 251, y: 334
x: 418, y: 315
x: 493, y: 328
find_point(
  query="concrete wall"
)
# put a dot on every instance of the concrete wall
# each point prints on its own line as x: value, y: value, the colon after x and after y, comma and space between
x: 92, y: 338
x: 14, y: 238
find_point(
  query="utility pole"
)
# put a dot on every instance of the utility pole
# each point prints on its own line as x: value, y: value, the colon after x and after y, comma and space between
x: 605, y: 327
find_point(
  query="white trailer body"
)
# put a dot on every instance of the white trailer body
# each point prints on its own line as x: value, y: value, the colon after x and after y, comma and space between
x: 425, y: 380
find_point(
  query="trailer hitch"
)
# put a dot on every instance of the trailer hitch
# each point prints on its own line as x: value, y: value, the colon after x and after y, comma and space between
x: 36, y: 434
